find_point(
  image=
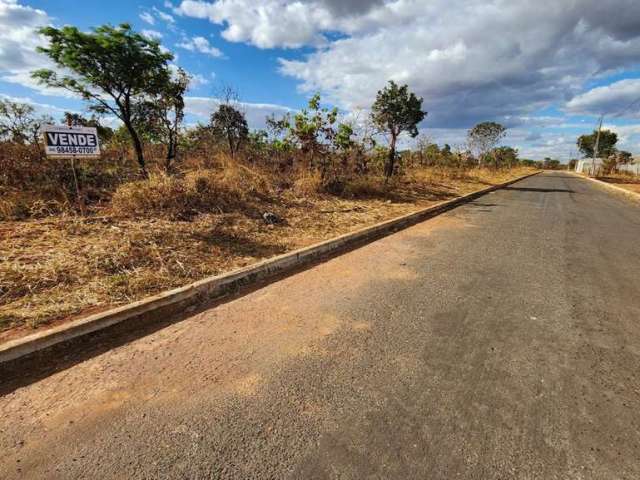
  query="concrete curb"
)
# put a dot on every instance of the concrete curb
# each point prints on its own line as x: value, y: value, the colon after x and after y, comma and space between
x: 629, y: 193
x: 167, y: 303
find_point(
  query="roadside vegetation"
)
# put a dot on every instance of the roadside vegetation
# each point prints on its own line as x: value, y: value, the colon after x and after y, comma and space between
x: 602, y: 145
x: 167, y: 203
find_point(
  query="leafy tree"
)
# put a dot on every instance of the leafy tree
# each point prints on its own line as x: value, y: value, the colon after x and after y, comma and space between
x: 343, y: 139
x: 104, y: 133
x: 314, y: 130
x: 113, y: 68
x: 551, y: 164
x: 18, y: 123
x: 396, y: 110
x: 624, y: 157
x: 606, y: 144
x: 164, y: 113
x: 432, y: 154
x: 613, y: 161
x: 505, y: 156
x: 230, y: 124
x: 484, y: 137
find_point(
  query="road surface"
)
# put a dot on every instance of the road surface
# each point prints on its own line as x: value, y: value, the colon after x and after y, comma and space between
x: 499, y: 340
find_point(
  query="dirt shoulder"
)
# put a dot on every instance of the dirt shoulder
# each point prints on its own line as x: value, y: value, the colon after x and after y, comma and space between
x: 62, y: 267
x: 623, y: 181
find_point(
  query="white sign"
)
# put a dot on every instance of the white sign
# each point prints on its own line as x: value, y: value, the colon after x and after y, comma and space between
x: 63, y: 141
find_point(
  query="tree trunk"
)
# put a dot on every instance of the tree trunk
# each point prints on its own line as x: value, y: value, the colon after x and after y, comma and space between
x: 137, y: 145
x: 171, y: 155
x: 391, y: 159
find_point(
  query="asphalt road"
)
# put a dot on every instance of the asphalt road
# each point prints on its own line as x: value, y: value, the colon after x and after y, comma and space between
x: 500, y: 340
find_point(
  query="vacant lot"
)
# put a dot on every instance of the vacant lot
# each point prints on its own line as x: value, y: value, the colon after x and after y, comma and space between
x: 59, y: 267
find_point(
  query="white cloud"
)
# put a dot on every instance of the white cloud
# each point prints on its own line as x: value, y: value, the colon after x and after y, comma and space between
x: 164, y: 16
x: 40, y: 108
x: 147, y: 18
x: 199, y: 44
x: 628, y: 136
x: 18, y: 39
x: 471, y: 60
x: 198, y: 80
x: 154, y: 34
x: 621, y: 98
x: 256, y: 113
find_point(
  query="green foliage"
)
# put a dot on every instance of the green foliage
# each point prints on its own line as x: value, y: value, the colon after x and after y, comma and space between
x: 113, y: 68
x: 312, y: 127
x: 483, y: 138
x: 551, y: 164
x: 104, y: 133
x: 620, y: 157
x: 505, y: 157
x: 396, y: 110
x: 624, y: 157
x: 161, y: 115
x: 314, y: 130
x: 606, y: 144
x: 343, y: 139
x: 230, y: 124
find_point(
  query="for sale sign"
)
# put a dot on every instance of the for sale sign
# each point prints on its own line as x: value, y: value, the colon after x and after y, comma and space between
x: 62, y: 141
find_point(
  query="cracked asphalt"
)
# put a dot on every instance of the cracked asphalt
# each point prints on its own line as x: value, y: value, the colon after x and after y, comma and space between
x: 499, y: 340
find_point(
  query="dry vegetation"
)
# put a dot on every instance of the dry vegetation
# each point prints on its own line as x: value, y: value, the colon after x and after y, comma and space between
x: 144, y: 236
x: 624, y: 180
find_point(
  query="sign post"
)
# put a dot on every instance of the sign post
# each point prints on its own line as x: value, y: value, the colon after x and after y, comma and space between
x: 71, y: 142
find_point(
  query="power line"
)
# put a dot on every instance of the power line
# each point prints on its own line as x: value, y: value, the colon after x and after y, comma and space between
x: 626, y: 108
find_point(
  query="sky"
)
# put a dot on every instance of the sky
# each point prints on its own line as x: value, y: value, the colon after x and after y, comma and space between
x: 546, y: 69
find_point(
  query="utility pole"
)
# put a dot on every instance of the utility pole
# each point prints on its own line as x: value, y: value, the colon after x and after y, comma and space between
x: 595, y: 148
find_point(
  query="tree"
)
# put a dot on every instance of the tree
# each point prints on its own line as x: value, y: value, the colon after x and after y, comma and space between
x: 613, y: 161
x: 606, y: 143
x: 551, y: 164
x: 113, y: 68
x: 164, y: 113
x: 230, y: 124
x: 624, y: 157
x: 505, y: 156
x: 315, y: 131
x: 104, y: 133
x: 396, y: 110
x: 483, y: 138
x: 18, y: 123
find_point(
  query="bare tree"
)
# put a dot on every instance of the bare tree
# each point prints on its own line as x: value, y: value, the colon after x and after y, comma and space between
x: 18, y: 122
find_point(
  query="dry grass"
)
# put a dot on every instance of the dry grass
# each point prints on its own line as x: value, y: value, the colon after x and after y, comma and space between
x: 165, y: 232
x: 622, y: 180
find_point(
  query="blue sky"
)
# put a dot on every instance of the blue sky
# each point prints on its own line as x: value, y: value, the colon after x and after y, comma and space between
x: 545, y: 70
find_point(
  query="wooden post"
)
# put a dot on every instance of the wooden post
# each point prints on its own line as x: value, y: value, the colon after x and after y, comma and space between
x: 79, y: 196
